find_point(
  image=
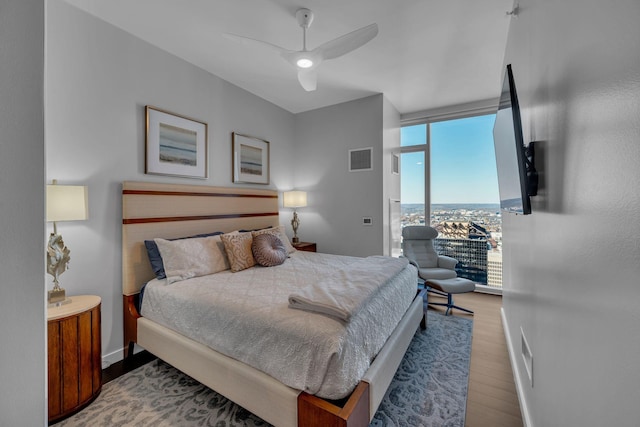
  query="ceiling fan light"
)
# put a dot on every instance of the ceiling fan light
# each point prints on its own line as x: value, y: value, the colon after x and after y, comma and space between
x: 304, y: 63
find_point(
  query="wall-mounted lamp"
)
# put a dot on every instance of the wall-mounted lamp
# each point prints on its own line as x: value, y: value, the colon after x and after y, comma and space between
x: 64, y: 203
x: 294, y: 199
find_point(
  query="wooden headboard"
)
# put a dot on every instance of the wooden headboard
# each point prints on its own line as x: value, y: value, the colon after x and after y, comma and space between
x: 152, y: 210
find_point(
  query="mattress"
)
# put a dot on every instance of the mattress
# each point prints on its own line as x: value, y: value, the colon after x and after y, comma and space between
x: 245, y: 315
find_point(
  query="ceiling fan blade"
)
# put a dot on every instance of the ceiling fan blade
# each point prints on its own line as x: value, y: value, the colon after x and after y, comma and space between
x: 347, y: 43
x: 308, y: 79
x: 259, y: 43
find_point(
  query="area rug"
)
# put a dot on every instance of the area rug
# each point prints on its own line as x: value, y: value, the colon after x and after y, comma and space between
x: 429, y: 390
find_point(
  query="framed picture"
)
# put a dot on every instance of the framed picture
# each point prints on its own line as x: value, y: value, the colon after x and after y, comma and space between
x: 175, y: 145
x: 250, y: 159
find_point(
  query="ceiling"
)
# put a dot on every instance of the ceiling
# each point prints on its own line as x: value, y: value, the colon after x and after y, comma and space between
x: 428, y: 54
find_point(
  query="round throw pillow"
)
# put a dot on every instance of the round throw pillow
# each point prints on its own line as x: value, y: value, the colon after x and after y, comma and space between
x: 268, y: 250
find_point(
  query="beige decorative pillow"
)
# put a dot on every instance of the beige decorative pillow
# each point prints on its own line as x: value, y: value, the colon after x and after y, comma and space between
x: 238, y: 248
x: 195, y: 257
x: 280, y: 233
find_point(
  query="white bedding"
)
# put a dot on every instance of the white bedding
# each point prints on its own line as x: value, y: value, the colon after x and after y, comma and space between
x: 245, y: 315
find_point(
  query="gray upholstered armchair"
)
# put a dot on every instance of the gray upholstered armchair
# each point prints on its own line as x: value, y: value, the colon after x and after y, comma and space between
x: 417, y: 245
x: 437, y: 271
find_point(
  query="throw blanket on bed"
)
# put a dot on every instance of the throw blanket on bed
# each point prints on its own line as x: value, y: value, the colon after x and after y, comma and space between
x: 344, y: 293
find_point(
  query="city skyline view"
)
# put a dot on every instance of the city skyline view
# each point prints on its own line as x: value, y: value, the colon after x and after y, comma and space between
x: 463, y: 165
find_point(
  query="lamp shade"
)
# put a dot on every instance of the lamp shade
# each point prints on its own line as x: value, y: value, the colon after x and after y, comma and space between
x: 294, y: 199
x: 66, y: 202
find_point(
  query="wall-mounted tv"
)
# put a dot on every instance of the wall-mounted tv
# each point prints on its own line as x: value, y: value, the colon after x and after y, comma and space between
x: 517, y: 177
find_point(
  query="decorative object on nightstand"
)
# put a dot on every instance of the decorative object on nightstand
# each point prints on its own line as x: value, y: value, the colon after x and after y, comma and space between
x: 64, y: 203
x: 295, y: 199
x: 305, y: 246
x: 74, y: 354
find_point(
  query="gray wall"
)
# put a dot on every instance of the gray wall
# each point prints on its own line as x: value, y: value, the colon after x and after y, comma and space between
x: 571, y: 269
x: 22, y: 319
x: 339, y: 199
x: 99, y: 79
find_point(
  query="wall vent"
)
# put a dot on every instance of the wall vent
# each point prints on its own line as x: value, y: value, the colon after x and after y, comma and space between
x: 361, y: 159
x: 395, y: 164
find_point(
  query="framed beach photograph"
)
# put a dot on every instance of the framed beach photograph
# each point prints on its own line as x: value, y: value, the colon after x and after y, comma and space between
x: 250, y: 159
x: 175, y: 145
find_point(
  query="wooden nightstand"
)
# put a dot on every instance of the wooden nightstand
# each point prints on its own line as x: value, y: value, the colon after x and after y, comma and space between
x: 305, y: 246
x: 74, y: 355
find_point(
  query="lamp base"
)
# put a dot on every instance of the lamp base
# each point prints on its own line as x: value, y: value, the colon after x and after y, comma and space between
x: 295, y: 240
x: 56, y: 295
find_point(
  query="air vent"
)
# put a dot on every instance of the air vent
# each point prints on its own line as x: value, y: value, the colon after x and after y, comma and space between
x: 361, y: 159
x: 395, y: 164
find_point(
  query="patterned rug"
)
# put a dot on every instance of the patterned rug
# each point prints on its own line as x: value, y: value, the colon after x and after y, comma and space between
x: 429, y: 389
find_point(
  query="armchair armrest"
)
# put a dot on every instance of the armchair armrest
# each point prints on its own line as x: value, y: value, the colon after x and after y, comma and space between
x: 412, y: 262
x: 447, y: 262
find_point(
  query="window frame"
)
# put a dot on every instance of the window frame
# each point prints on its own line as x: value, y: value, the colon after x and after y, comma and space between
x: 463, y: 111
x: 484, y: 108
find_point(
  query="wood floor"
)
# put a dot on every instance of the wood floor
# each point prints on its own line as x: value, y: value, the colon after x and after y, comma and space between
x: 492, y: 400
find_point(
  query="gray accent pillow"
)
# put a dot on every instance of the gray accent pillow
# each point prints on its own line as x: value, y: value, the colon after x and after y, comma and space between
x: 268, y: 250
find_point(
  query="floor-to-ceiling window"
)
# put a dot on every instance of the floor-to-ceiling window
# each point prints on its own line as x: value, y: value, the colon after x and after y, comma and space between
x: 449, y: 181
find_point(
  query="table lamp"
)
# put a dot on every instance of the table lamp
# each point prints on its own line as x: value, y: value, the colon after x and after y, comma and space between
x: 64, y: 203
x: 295, y: 199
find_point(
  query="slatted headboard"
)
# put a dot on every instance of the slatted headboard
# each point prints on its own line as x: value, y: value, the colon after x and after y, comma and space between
x: 152, y: 210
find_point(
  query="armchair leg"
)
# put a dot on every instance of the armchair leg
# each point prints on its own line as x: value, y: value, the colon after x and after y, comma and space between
x: 436, y: 291
x: 449, y: 304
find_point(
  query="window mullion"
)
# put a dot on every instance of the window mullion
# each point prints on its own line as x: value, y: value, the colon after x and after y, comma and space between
x: 427, y: 176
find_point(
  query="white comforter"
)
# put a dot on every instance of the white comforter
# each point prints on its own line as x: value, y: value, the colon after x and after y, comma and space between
x: 245, y: 315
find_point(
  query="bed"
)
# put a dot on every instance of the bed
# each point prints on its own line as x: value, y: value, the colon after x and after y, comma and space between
x: 152, y: 210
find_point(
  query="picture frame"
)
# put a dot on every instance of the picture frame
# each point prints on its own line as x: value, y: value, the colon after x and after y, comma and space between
x: 250, y: 159
x: 175, y: 145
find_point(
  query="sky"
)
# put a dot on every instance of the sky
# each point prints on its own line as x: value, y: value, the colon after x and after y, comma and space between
x: 463, y: 163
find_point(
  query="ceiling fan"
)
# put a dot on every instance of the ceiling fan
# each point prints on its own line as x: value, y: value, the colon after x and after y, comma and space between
x: 306, y: 61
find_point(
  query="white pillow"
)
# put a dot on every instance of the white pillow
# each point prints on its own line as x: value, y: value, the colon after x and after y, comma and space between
x: 195, y: 257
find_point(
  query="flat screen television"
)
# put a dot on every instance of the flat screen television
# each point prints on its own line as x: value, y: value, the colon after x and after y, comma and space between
x: 517, y: 178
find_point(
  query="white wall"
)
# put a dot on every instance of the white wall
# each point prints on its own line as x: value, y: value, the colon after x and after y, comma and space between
x: 571, y: 269
x: 390, y: 182
x: 339, y: 199
x: 99, y: 79
x: 22, y: 299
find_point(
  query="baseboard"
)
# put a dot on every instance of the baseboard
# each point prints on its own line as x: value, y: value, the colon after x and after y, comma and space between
x: 116, y: 356
x: 524, y: 409
x: 484, y: 289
